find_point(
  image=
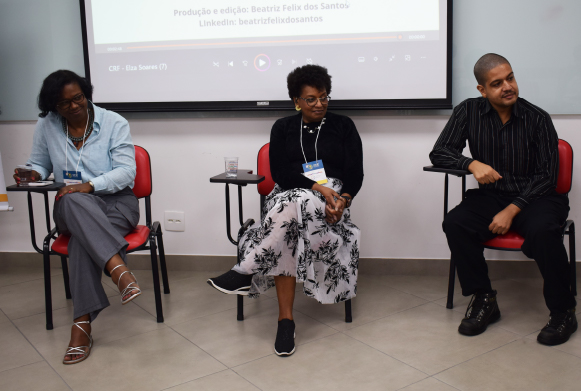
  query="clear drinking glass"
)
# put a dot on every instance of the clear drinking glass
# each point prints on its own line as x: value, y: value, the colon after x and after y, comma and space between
x: 231, y: 167
x: 25, y: 174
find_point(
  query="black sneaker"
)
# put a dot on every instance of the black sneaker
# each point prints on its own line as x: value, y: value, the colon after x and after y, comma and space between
x: 285, y: 338
x: 482, y: 311
x: 560, y: 327
x: 232, y: 283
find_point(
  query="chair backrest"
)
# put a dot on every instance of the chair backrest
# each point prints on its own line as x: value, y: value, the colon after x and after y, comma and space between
x: 266, y: 186
x: 142, y: 186
x: 565, y: 177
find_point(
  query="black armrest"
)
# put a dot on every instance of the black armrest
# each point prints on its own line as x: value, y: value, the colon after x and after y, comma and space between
x: 51, y: 235
x: 36, y: 189
x: 244, y: 227
x: 459, y: 173
x: 153, y: 230
x: 451, y: 171
x: 244, y: 178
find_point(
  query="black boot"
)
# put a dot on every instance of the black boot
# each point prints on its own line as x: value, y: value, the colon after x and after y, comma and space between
x: 285, y: 338
x: 482, y: 310
x: 232, y: 283
x: 560, y: 327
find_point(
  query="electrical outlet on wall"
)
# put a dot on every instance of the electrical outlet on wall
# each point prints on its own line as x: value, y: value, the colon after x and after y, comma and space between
x: 175, y: 221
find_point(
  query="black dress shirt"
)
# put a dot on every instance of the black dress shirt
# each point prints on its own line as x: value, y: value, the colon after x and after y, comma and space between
x: 524, y: 151
x: 339, y: 147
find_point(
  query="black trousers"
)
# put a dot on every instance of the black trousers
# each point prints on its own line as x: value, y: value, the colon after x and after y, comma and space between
x: 540, y: 223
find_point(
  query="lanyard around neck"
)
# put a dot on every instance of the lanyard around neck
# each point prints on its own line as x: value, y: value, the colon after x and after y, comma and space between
x: 317, y: 139
x: 82, y: 147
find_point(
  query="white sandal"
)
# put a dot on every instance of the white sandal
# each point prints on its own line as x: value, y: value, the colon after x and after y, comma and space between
x: 128, y: 288
x: 79, y: 349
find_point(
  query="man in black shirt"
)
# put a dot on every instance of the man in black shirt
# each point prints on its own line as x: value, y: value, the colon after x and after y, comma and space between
x: 515, y: 160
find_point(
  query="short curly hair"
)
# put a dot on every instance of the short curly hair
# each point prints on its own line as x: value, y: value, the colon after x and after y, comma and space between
x: 52, y: 87
x: 308, y: 75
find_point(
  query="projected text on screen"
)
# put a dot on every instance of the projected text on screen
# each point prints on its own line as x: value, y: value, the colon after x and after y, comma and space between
x: 134, y: 21
x: 142, y: 51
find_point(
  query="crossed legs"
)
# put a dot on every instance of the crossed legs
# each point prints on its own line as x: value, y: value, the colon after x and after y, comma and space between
x: 80, y: 338
x: 96, y: 245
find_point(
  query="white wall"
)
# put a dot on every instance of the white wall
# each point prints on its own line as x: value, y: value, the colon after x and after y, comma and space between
x: 399, y: 208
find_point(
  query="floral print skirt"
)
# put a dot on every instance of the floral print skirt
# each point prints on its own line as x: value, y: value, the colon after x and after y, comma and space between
x: 293, y: 239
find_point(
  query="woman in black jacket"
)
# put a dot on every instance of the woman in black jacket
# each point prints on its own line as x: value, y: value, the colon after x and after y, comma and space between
x: 306, y: 234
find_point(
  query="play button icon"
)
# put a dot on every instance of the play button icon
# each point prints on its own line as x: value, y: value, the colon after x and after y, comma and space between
x: 262, y: 62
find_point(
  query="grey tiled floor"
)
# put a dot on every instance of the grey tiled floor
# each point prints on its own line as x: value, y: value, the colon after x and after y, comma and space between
x: 402, y: 338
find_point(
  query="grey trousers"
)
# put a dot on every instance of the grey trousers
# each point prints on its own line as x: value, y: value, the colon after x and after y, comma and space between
x: 97, y: 226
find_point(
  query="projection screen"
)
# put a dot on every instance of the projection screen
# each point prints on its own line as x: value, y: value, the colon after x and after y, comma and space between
x: 172, y: 55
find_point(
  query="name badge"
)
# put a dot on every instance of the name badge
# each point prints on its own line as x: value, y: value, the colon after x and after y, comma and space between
x: 72, y: 177
x: 315, y: 171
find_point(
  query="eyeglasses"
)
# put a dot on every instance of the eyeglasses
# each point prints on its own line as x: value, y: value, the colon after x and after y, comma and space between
x: 66, y: 104
x: 313, y: 101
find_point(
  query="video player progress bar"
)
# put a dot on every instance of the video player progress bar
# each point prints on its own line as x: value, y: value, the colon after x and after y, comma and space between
x: 254, y: 42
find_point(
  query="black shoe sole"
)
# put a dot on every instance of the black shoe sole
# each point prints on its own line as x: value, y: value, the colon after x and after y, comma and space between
x: 472, y: 332
x: 243, y: 291
x: 555, y: 341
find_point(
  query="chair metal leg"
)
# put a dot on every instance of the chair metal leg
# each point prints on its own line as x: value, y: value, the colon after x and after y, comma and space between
x: 47, y: 287
x: 573, y: 259
x: 348, y: 317
x: 451, y: 282
x: 162, y: 261
x: 65, y: 267
x: 155, y: 273
x: 240, y: 315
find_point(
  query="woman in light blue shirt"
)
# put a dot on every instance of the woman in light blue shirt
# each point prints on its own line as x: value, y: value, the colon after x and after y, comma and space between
x: 90, y: 149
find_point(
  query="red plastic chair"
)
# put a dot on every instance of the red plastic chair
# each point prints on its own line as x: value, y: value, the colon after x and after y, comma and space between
x: 511, y: 241
x: 264, y: 188
x: 143, y: 237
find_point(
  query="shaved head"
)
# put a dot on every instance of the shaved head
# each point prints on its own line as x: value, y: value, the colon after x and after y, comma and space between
x: 485, y: 64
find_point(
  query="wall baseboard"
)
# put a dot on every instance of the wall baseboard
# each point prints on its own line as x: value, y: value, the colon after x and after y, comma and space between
x: 379, y: 266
